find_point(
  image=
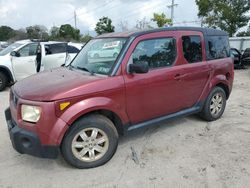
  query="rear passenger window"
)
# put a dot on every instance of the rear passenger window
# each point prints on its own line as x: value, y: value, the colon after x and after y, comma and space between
x: 157, y: 52
x: 192, y: 48
x: 55, y: 48
x: 72, y: 49
x: 217, y: 47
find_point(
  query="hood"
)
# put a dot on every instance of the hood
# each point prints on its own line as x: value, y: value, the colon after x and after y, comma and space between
x: 55, y: 84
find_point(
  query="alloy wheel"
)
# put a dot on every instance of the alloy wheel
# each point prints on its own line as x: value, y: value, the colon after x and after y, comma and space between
x: 90, y: 144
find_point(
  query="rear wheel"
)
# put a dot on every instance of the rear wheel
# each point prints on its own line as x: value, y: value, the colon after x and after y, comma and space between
x: 214, y: 105
x: 3, y: 81
x: 91, y: 142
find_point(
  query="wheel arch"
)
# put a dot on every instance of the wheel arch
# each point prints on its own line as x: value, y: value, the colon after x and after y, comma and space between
x: 225, y: 88
x: 110, y: 115
x: 8, y: 73
x: 220, y: 81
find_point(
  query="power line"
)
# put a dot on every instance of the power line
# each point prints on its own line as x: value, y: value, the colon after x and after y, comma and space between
x: 134, y: 12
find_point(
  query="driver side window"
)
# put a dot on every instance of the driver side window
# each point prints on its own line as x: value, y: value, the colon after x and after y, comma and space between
x: 157, y: 52
x: 28, y: 50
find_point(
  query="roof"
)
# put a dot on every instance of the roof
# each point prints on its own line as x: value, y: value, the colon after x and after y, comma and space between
x: 135, y: 33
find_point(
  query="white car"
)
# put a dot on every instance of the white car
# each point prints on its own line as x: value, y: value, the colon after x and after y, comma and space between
x: 22, y: 59
x: 3, y: 45
x: 73, y: 49
x: 104, y: 52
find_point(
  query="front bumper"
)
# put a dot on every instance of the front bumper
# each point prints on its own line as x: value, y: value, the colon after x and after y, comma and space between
x: 27, y: 142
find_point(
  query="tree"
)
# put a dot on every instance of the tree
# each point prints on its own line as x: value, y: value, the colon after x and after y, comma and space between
x: 143, y: 24
x: 37, y: 32
x: 6, y: 33
x: 243, y: 34
x: 123, y: 25
x: 68, y: 32
x: 86, y: 38
x: 54, y: 33
x: 161, y: 19
x: 104, y: 25
x: 20, y: 34
x: 228, y: 15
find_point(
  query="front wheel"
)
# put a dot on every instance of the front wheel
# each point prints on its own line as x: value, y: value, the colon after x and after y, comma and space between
x: 215, y: 105
x: 3, y: 81
x: 91, y: 142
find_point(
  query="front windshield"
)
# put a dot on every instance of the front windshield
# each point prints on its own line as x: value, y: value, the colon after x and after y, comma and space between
x: 10, y: 48
x: 99, y: 55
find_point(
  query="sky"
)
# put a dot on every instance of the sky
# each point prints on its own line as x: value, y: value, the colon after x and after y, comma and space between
x: 22, y: 13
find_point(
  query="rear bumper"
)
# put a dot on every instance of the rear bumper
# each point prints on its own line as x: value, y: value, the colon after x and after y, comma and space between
x: 27, y: 142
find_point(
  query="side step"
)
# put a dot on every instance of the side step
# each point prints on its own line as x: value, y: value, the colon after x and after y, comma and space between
x: 182, y: 113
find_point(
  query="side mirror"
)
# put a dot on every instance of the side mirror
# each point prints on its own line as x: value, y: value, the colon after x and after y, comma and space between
x: 139, y: 67
x: 15, y: 54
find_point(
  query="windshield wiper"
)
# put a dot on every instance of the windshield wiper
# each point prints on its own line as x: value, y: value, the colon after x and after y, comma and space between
x: 85, y: 69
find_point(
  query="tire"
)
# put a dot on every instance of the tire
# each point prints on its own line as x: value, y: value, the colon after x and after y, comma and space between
x: 115, y: 55
x: 75, y: 142
x: 215, y: 105
x: 3, y: 81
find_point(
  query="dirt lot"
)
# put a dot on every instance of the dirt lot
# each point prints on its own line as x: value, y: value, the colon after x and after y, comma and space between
x: 187, y: 152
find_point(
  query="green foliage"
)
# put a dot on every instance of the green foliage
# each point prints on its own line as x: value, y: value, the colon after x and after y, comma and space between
x: 228, y: 15
x: 37, y: 32
x: 104, y: 25
x: 68, y: 32
x: 243, y: 34
x: 64, y: 33
x: 86, y: 38
x: 54, y: 33
x: 6, y: 33
x: 161, y: 19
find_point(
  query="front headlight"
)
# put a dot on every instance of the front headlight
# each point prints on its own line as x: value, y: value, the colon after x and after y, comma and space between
x: 30, y: 113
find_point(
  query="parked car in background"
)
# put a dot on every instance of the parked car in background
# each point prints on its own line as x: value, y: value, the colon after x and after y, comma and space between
x: 21, y: 59
x: 157, y: 75
x: 3, y: 45
x: 106, y: 50
x: 73, y: 49
x: 246, y: 57
x: 237, y: 58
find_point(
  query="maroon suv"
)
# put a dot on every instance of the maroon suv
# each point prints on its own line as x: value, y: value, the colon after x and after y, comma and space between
x: 117, y: 83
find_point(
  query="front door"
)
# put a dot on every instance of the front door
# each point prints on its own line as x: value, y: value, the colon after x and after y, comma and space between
x: 24, y: 64
x: 158, y: 92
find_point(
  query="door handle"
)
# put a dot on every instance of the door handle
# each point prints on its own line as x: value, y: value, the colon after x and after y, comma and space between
x: 179, y: 76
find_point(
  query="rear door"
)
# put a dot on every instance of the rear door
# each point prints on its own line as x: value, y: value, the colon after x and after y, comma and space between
x: 25, y: 64
x: 196, y: 72
x: 54, y: 56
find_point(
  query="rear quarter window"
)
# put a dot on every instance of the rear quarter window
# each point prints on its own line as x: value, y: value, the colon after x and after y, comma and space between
x: 217, y: 47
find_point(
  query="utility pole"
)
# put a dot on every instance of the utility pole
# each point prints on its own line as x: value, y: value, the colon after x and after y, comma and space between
x: 172, y: 6
x: 75, y: 18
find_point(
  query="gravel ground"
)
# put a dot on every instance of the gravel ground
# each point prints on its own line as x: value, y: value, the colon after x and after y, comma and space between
x: 186, y: 152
